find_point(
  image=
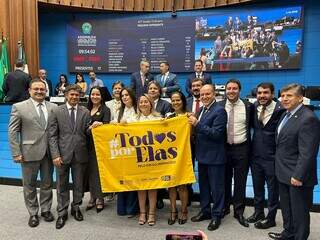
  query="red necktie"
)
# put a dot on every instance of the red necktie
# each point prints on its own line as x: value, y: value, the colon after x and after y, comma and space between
x: 197, y: 105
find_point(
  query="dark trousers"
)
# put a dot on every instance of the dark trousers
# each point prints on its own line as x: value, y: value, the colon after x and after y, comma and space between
x: 93, y: 175
x: 63, y: 195
x: 211, y: 184
x: 295, y: 205
x: 237, y: 167
x: 127, y: 203
x: 263, y: 172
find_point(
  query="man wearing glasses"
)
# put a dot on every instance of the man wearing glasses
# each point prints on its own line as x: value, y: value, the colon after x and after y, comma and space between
x: 28, y: 138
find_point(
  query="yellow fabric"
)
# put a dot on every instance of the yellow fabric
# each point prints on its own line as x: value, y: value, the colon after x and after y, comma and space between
x: 144, y: 155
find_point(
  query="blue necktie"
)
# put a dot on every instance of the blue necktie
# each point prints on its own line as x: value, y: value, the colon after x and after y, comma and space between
x: 284, y: 121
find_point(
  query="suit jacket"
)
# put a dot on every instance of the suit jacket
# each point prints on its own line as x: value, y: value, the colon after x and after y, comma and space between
x: 136, y: 83
x: 189, y: 104
x: 171, y: 83
x: 263, y: 140
x: 249, y: 115
x: 163, y: 107
x: 26, y: 135
x: 210, y: 135
x: 297, y: 147
x: 16, y: 85
x: 65, y: 141
x: 51, y: 90
x: 206, y: 78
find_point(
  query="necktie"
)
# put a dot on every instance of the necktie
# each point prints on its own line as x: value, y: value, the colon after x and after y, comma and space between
x: 262, y: 113
x: 162, y: 80
x: 197, y: 105
x: 284, y: 121
x: 142, y: 79
x: 72, y: 118
x: 230, y: 126
x: 43, y: 121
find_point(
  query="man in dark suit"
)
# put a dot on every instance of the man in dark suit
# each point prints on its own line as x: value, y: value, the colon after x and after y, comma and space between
x: 267, y: 113
x: 16, y: 84
x: 193, y: 105
x: 193, y: 102
x: 206, y: 78
x: 167, y: 80
x: 140, y: 80
x: 68, y: 146
x: 210, y: 134
x: 29, y: 144
x: 237, y: 148
x: 297, y: 145
x: 43, y: 77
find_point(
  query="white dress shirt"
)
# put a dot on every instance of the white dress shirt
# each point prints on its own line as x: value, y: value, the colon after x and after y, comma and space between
x: 194, y: 103
x: 240, y: 127
x: 267, y: 113
x: 75, y: 110
x: 44, y: 108
x: 114, y: 106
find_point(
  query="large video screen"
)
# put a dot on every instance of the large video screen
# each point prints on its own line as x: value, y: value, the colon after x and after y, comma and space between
x: 259, y: 39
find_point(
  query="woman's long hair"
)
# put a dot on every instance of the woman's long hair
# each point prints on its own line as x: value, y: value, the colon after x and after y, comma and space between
x: 90, y: 103
x: 134, y: 102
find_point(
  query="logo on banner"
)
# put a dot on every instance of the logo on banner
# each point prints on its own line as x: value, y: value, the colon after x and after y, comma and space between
x: 86, y: 28
x: 146, y: 148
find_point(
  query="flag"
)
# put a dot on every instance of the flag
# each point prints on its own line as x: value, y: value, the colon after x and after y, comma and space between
x: 22, y: 56
x: 144, y: 155
x: 4, y: 65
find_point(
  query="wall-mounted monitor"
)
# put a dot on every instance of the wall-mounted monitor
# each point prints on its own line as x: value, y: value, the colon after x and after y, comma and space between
x: 264, y: 38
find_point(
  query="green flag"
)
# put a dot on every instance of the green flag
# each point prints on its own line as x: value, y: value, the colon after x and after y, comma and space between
x: 4, y: 65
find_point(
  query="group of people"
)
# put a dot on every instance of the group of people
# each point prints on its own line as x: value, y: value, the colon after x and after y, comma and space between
x: 281, y: 152
x: 248, y: 39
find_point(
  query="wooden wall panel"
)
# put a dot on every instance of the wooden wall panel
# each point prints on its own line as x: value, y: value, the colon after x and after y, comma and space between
x: 53, y: 1
x: 16, y: 27
x: 210, y: 3
x: 118, y: 4
x: 149, y: 5
x: 88, y: 3
x: 4, y: 23
x: 98, y: 4
x: 108, y: 4
x: 76, y: 3
x: 178, y: 4
x: 31, y: 35
x: 221, y: 2
x: 128, y: 5
x: 65, y: 2
x: 199, y: 3
x: 138, y: 5
x: 188, y: 4
x: 158, y: 5
x: 168, y: 5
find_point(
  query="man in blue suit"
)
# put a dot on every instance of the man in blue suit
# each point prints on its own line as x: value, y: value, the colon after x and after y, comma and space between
x: 297, y: 145
x: 267, y: 113
x: 206, y: 78
x: 140, y: 80
x: 210, y: 135
x: 167, y: 80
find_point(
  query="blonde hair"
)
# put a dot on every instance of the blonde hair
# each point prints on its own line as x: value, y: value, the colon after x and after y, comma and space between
x: 153, y: 112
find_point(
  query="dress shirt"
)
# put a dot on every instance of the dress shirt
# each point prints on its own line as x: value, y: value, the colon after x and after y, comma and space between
x: 155, y: 102
x: 240, y: 127
x: 194, y: 104
x: 75, y: 110
x: 268, y: 112
x: 147, y: 118
x: 199, y: 75
x: 291, y: 114
x: 129, y: 114
x: 205, y: 109
x: 114, y: 106
x: 44, y: 108
x: 96, y: 83
x: 47, y: 87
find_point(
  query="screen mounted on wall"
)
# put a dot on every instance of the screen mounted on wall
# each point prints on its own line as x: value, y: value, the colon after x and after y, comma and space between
x: 257, y: 39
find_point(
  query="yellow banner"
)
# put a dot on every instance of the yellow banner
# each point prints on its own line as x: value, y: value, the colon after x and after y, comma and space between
x: 144, y: 155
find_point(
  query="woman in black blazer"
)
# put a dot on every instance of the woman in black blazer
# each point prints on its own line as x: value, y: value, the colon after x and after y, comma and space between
x: 100, y: 114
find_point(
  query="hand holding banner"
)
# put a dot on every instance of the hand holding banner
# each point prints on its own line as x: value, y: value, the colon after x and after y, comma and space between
x: 144, y: 155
